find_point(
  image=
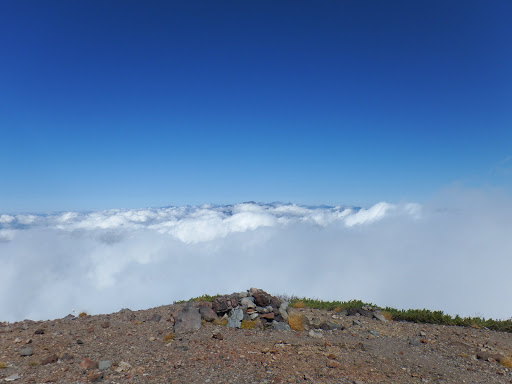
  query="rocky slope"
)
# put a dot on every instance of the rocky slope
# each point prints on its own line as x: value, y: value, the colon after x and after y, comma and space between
x: 249, y: 337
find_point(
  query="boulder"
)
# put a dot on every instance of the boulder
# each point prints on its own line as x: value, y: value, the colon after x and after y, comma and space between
x: 235, y: 318
x: 207, y: 313
x: 233, y: 300
x: 380, y: 317
x: 248, y: 302
x: 262, y: 299
x: 283, y: 310
x: 188, y: 319
x: 279, y: 326
x: 221, y: 305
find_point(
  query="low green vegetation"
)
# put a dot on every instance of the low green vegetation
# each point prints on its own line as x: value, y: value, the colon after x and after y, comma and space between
x: 438, y: 317
x: 410, y: 315
x: 327, y: 305
x: 202, y: 298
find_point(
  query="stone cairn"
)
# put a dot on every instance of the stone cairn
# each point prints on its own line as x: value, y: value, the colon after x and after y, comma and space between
x: 254, y: 309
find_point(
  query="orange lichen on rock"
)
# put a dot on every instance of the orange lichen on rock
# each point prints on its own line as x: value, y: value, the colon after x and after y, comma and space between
x: 296, y: 321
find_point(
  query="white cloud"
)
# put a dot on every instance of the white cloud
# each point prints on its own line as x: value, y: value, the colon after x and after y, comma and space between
x: 366, y: 216
x: 6, y: 219
x: 452, y: 253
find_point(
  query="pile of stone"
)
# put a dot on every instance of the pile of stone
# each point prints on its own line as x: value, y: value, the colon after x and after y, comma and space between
x: 252, y: 309
x: 257, y: 309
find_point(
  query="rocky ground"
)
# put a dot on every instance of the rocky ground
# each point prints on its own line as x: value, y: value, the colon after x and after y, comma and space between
x: 234, y: 341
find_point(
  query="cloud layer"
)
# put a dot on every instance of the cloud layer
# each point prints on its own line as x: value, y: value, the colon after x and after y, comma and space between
x: 452, y: 254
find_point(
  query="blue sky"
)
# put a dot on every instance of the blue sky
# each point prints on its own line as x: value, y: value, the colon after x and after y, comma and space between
x: 125, y: 104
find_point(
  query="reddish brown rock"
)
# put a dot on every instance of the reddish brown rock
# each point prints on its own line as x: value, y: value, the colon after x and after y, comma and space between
x: 88, y: 364
x: 207, y: 313
x: 221, y: 305
x: 49, y: 360
x: 95, y: 377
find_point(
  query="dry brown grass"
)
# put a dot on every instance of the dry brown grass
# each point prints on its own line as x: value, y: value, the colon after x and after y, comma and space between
x: 388, y: 316
x: 82, y: 314
x: 3, y: 365
x: 220, y: 321
x: 299, y: 304
x: 248, y: 324
x: 296, y: 321
x: 169, y: 337
x: 506, y: 362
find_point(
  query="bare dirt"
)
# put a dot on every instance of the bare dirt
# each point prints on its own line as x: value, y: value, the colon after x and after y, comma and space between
x: 141, y: 348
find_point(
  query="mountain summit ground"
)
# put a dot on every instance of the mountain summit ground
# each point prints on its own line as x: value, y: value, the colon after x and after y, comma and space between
x: 171, y: 344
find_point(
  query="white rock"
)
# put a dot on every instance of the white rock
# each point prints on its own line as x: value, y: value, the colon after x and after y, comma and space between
x: 123, y: 367
x: 313, y: 333
x: 13, y: 377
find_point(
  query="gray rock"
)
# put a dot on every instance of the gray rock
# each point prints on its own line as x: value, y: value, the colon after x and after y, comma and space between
x: 314, y: 322
x: 235, y: 318
x: 128, y: 314
x: 330, y: 326
x: 13, y: 377
x: 156, y: 318
x: 360, y: 311
x: 356, y: 322
x: 66, y: 357
x: 278, y: 326
x: 253, y: 316
x: 104, y: 364
x: 379, y: 316
x: 248, y: 302
x: 188, y: 319
x: 27, y: 351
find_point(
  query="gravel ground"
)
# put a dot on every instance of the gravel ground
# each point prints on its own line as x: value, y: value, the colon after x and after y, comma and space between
x: 138, y: 347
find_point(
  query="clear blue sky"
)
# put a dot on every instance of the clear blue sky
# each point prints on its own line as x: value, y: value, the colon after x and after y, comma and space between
x: 111, y: 104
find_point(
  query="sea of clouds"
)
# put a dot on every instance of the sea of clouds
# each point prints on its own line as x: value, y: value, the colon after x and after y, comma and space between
x: 453, y: 253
